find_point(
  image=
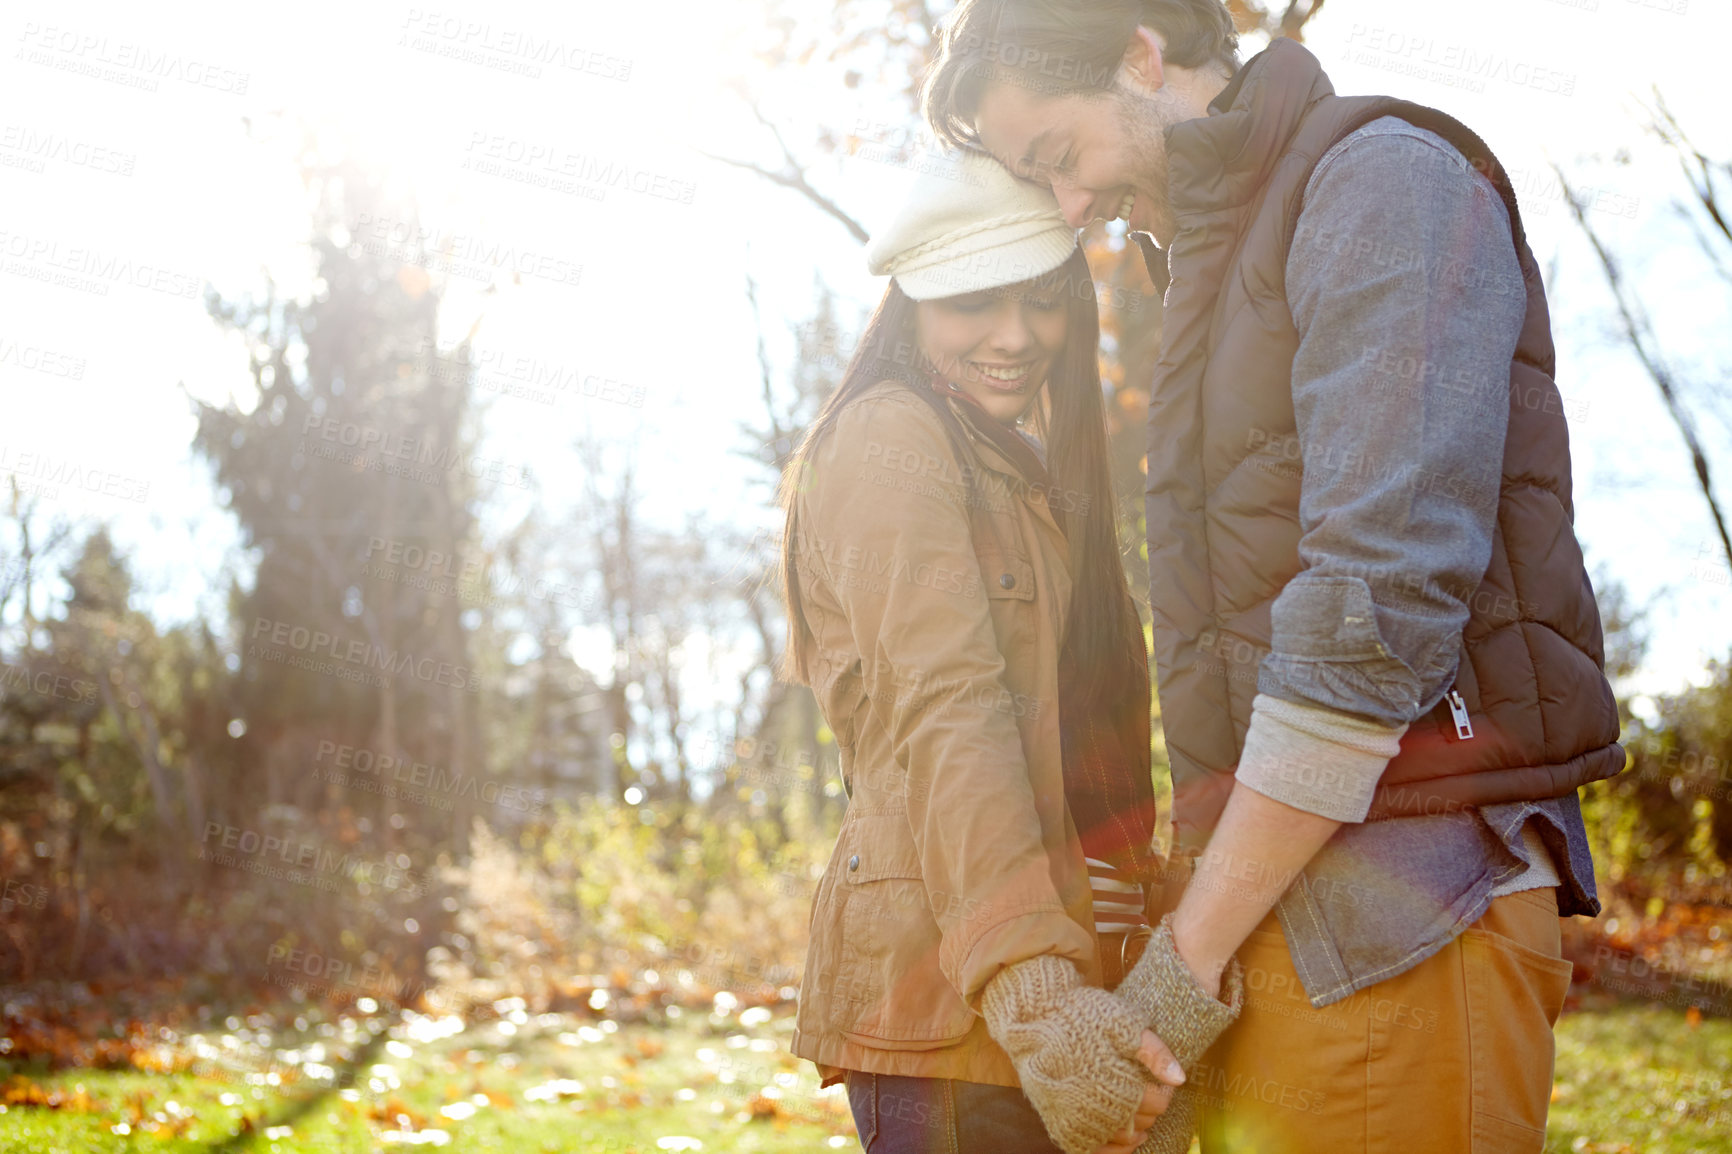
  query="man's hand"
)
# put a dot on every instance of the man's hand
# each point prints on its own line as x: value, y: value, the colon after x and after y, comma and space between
x: 1189, y: 1019
x: 1258, y: 848
x: 1206, y: 970
x: 1154, y: 1054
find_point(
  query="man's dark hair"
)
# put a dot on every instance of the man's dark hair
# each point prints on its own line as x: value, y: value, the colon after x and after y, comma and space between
x: 1060, y: 47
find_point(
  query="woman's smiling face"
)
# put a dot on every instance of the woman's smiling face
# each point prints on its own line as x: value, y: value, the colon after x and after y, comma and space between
x: 997, y: 345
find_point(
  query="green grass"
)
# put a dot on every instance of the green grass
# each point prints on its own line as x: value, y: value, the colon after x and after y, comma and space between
x: 1629, y: 1078
x: 1639, y: 1078
x: 696, y: 1077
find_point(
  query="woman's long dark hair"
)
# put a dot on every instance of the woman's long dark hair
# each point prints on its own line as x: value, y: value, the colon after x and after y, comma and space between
x: 1102, y: 615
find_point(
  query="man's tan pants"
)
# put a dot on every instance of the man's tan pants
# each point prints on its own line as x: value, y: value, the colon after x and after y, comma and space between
x: 1451, y: 1057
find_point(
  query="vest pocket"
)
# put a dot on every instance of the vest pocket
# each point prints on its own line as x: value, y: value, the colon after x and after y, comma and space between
x: 891, y: 993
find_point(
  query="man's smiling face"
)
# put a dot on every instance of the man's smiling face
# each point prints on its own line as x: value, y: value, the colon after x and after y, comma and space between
x: 1102, y: 152
x: 1104, y: 156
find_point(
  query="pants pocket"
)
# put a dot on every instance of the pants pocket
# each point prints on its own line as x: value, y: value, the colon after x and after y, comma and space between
x: 900, y: 1114
x: 997, y: 1120
x: 1514, y: 995
x: 863, y: 1104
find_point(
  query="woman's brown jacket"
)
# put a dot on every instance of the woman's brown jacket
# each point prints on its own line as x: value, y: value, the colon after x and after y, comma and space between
x: 933, y: 653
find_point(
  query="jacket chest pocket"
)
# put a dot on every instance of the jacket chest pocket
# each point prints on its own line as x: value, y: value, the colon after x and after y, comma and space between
x: 1007, y: 575
x: 1007, y: 582
x: 891, y: 992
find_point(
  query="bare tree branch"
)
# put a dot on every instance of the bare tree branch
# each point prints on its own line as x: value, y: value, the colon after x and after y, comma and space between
x: 1255, y: 16
x: 1640, y: 333
x: 1293, y: 20
x: 779, y: 439
x: 1699, y: 171
x: 20, y: 573
x: 793, y: 175
x: 763, y: 354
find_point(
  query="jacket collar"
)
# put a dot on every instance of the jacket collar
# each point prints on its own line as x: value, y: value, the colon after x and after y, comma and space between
x: 1020, y: 458
x: 1223, y: 159
x: 1032, y: 490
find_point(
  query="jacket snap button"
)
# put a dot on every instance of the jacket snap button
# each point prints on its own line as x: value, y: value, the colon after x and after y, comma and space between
x: 1006, y: 581
x: 854, y: 862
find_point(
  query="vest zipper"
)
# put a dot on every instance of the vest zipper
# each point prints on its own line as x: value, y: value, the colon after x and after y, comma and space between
x: 1458, y: 714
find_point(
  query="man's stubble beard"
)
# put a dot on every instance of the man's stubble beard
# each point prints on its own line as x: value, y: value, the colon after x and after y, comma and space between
x: 1144, y: 121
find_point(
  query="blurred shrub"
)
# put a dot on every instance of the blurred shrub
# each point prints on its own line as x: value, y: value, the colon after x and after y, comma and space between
x: 671, y: 904
x: 1666, y: 822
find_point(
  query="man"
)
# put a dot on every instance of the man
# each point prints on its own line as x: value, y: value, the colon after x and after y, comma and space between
x: 1379, y: 658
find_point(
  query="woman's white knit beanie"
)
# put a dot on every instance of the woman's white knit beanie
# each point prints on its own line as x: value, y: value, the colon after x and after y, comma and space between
x: 967, y: 225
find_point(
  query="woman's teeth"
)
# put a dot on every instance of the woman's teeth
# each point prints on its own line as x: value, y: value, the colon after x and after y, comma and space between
x: 1004, y: 376
x: 1125, y: 207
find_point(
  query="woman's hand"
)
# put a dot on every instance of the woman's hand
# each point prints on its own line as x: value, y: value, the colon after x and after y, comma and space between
x: 1156, y: 1098
x: 1083, y: 1056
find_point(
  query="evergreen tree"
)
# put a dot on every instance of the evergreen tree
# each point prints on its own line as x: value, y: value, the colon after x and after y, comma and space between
x: 352, y: 477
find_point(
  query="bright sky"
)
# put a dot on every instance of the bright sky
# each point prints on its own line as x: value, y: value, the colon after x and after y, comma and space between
x: 145, y: 152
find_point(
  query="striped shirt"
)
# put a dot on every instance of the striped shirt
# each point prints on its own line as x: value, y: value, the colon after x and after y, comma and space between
x: 1118, y: 900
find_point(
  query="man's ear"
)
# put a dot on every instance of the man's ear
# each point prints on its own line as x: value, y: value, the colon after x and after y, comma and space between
x: 1143, y: 66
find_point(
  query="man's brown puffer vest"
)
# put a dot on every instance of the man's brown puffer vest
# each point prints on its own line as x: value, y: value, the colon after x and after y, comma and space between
x: 1223, y: 524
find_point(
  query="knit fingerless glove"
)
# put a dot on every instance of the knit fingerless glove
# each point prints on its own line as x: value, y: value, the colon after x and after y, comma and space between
x: 1074, y: 1047
x: 1186, y: 1018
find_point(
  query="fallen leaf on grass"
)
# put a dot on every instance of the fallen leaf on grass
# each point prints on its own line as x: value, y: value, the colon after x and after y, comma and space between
x: 398, y: 1111
x: 553, y: 1091
x: 21, y: 1091
x: 111, y: 1054
x: 415, y: 1138
x: 159, y: 1060
x: 497, y: 1097
x: 762, y: 1109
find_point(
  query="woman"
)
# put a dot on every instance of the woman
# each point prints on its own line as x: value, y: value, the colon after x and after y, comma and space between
x: 957, y: 603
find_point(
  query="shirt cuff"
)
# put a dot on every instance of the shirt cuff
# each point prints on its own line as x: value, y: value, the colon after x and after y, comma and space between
x: 1318, y: 760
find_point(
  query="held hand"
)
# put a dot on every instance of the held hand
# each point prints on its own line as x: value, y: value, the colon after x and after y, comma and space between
x: 1079, y: 1052
x: 1205, y: 968
x: 1154, y: 1054
x: 1188, y: 1016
